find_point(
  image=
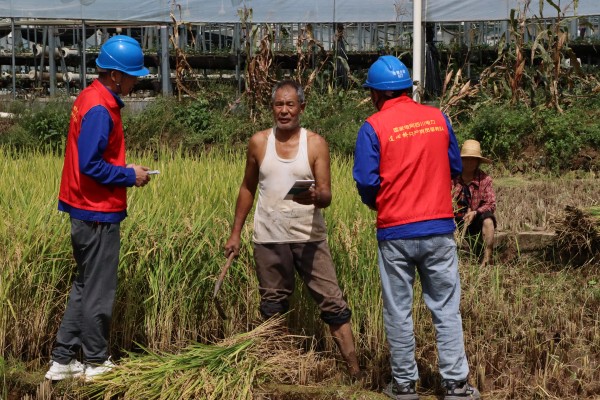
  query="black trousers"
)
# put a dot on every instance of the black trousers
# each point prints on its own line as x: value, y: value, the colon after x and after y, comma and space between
x: 86, y: 322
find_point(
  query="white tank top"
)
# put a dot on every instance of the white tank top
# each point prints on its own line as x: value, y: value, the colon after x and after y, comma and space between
x: 284, y: 221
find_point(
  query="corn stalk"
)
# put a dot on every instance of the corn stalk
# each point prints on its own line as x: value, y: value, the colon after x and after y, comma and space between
x: 522, y: 75
x: 311, y: 55
x: 260, y: 74
x: 183, y: 70
x: 455, y: 92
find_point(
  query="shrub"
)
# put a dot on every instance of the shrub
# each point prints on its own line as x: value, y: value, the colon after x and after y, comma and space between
x: 563, y: 136
x: 516, y: 135
x: 45, y: 128
x: 500, y: 129
x: 559, y: 136
x: 155, y: 125
x: 337, y: 117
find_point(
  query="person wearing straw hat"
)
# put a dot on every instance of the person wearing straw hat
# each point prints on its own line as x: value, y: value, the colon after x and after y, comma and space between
x: 475, y: 199
x: 405, y: 157
x: 93, y: 191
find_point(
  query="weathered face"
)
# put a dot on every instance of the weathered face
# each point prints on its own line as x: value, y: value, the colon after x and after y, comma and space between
x: 470, y: 164
x: 376, y: 99
x: 287, y: 109
x: 128, y: 83
x: 125, y: 82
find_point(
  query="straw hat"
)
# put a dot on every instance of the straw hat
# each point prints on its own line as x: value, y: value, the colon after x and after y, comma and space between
x: 472, y: 148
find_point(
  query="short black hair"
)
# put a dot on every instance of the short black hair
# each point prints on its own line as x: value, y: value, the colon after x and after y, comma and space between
x: 395, y: 93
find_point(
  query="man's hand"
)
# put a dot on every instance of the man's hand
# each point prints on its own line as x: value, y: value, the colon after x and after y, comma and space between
x: 308, y: 197
x: 141, y: 175
x: 232, y: 245
x: 469, y: 217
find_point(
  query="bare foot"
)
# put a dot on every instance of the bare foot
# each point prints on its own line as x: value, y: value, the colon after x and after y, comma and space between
x: 360, y: 377
x: 487, y: 263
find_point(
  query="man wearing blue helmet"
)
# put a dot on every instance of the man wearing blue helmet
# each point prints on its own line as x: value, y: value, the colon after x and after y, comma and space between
x: 93, y: 193
x: 405, y: 156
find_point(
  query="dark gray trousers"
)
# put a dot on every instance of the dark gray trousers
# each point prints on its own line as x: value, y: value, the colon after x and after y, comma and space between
x: 86, y: 322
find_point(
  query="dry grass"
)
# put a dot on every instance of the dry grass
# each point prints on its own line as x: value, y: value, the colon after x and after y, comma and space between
x: 526, y: 203
x: 533, y: 332
x: 577, y: 240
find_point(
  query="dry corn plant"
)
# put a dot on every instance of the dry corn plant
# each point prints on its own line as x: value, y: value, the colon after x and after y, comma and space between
x: 501, y: 80
x: 557, y: 64
x: 311, y: 55
x: 456, y: 90
x: 507, y: 75
x: 261, y: 71
x: 546, y: 72
x: 183, y: 70
x: 516, y: 77
x: 260, y: 74
x: 549, y: 46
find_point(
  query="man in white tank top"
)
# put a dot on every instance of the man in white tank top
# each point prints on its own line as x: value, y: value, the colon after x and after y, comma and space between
x: 290, y: 234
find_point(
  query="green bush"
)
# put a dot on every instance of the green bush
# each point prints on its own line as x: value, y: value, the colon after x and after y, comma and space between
x: 563, y: 136
x: 337, y: 116
x: 44, y: 128
x: 156, y: 125
x: 193, y: 123
x: 500, y: 129
x: 516, y: 136
x: 560, y: 137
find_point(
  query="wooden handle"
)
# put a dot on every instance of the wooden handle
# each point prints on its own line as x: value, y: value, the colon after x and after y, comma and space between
x: 223, y: 273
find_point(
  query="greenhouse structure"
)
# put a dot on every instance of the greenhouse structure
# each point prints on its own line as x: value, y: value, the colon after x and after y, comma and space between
x: 52, y: 44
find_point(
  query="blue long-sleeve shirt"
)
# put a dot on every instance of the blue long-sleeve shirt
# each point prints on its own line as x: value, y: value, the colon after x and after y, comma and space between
x: 366, y: 175
x: 91, y: 144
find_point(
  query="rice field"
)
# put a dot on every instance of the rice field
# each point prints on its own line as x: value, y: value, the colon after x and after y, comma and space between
x: 532, y: 330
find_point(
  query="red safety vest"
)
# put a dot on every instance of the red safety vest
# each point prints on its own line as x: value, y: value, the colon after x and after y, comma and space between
x: 414, y: 166
x: 79, y: 190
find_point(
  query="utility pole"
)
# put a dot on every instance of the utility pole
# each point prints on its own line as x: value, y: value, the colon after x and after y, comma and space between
x: 417, y: 49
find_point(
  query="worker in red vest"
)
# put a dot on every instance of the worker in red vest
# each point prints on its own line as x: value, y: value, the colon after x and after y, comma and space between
x: 406, y: 154
x: 93, y: 192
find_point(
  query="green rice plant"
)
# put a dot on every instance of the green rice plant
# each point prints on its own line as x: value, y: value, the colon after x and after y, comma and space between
x: 32, y: 258
x: 4, y: 390
x: 529, y: 328
x: 231, y: 369
x: 351, y: 237
x: 173, y: 248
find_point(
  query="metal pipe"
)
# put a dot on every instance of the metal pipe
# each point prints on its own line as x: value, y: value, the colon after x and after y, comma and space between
x: 31, y: 48
x: 164, y: 60
x: 42, y: 51
x: 83, y: 56
x: 44, y: 38
x: 51, y: 59
x: 44, y: 76
x: 14, y: 67
x: 238, y: 64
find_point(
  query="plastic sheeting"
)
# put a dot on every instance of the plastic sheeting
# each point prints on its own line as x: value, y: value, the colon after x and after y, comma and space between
x: 273, y: 11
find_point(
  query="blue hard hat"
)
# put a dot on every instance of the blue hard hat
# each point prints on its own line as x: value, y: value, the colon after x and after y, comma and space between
x: 388, y: 73
x: 124, y: 54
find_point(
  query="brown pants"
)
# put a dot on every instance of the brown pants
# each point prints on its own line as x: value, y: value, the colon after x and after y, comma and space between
x: 275, y: 264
